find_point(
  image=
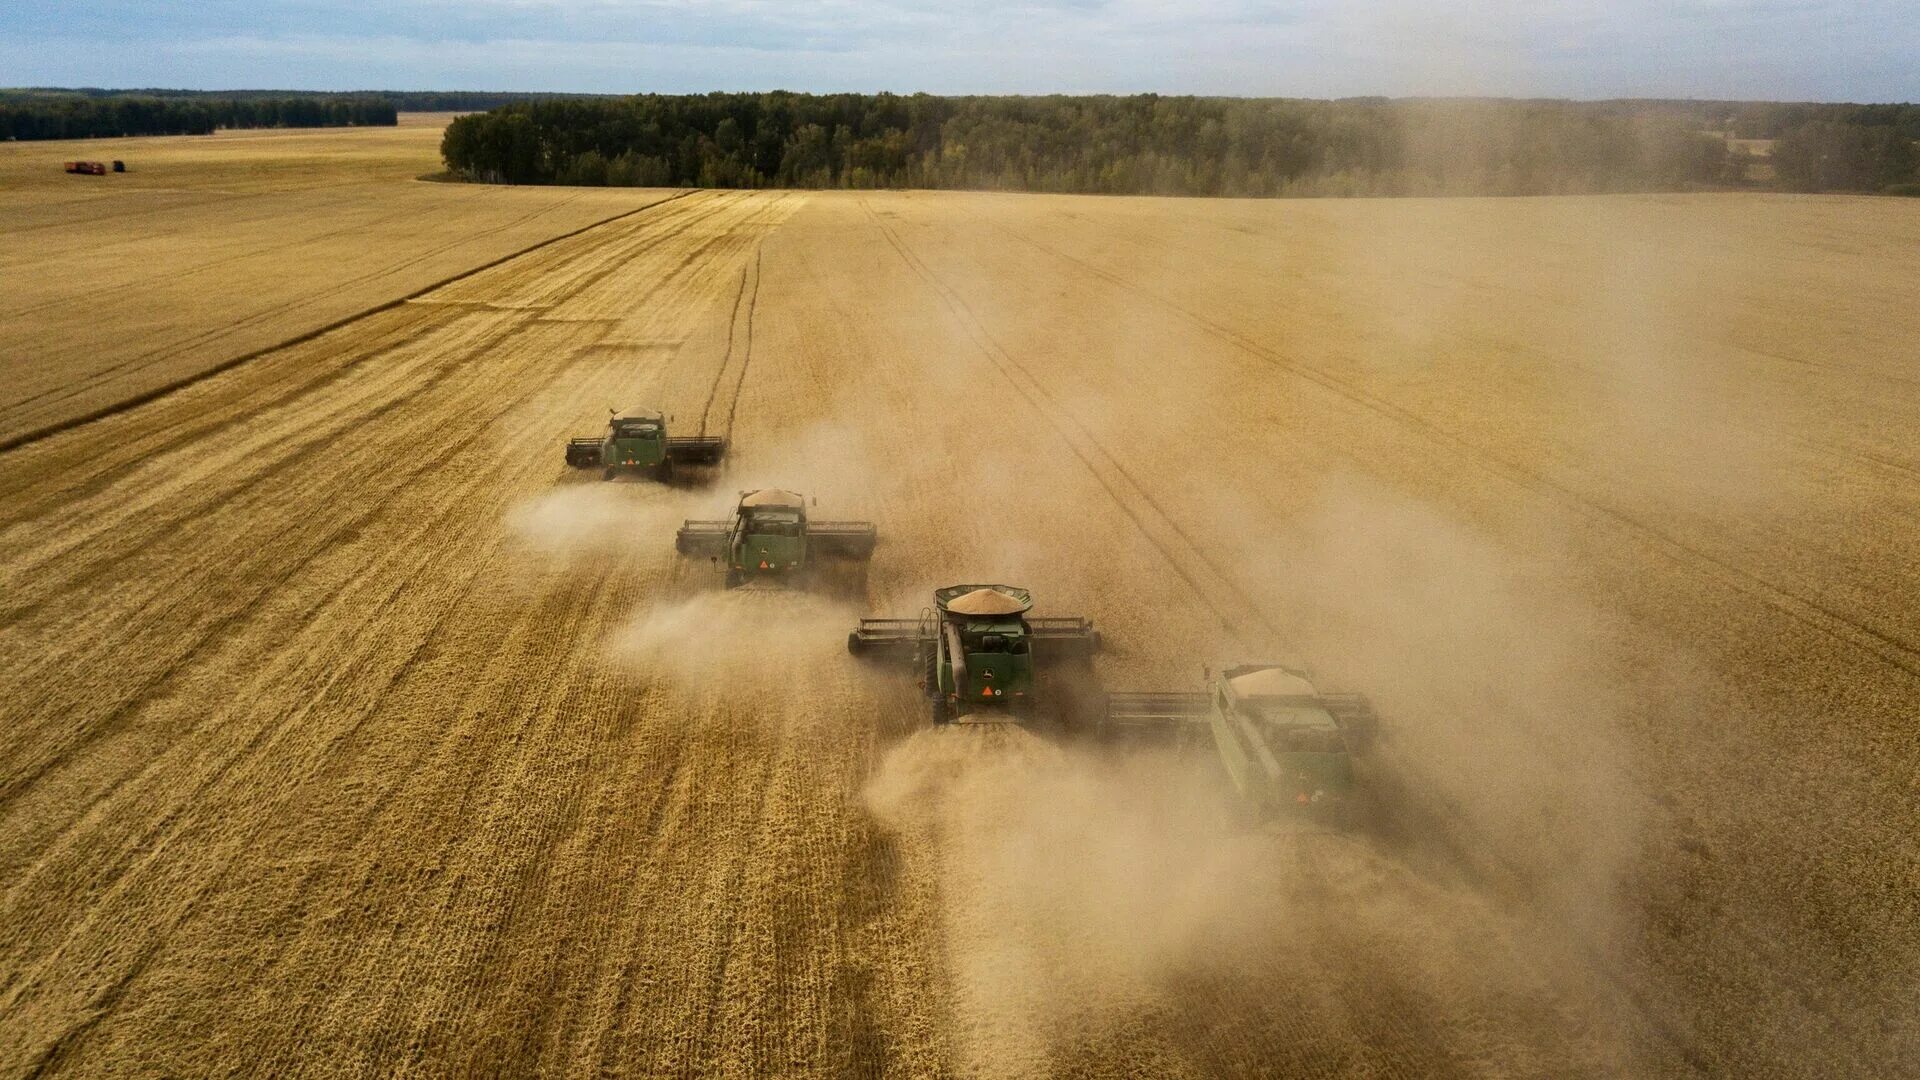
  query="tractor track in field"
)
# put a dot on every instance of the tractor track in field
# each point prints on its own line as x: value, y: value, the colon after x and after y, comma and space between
x: 1463, y: 341
x: 16, y: 787
x: 131, y: 239
x: 286, y: 464
x: 303, y: 450
x: 615, y: 257
x: 12, y: 787
x: 357, y: 229
x: 69, y: 222
x: 1085, y: 447
x: 14, y: 442
x: 216, y: 422
x: 726, y: 356
x: 746, y: 353
x: 749, y: 295
x: 173, y: 349
x: 1895, y: 651
x: 307, y: 447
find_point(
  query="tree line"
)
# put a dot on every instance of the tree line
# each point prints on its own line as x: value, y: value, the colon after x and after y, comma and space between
x: 38, y: 114
x: 1832, y: 155
x: 1150, y: 144
x: 469, y: 100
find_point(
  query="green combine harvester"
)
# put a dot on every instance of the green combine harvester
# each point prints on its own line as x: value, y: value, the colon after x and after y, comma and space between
x: 980, y: 655
x: 1286, y: 748
x: 637, y: 442
x: 770, y: 538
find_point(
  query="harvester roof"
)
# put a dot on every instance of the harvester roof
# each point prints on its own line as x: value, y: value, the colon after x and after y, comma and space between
x: 983, y: 599
x: 773, y: 497
x: 636, y: 414
x: 1271, y: 682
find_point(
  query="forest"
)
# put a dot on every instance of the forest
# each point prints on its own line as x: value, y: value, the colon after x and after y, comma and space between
x: 87, y: 114
x: 1149, y: 144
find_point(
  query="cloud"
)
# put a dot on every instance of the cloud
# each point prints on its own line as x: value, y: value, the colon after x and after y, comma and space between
x: 1820, y: 49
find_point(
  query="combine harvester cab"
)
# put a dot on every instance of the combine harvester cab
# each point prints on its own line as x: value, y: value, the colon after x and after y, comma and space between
x: 1286, y: 748
x: 770, y: 538
x: 979, y: 654
x: 637, y: 442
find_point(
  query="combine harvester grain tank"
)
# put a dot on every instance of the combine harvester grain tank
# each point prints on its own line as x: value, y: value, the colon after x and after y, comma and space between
x: 770, y: 538
x: 980, y: 656
x: 1286, y: 748
x: 636, y: 442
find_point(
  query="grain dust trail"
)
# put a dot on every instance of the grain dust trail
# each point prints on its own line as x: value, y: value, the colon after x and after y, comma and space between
x: 1273, y: 447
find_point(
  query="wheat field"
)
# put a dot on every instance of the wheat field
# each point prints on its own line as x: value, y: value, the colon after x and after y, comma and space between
x: 213, y: 247
x: 347, y: 731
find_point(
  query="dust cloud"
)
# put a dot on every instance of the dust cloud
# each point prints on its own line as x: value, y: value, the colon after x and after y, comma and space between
x: 688, y: 631
x: 1671, y: 420
x: 831, y: 459
x: 1088, y: 901
x: 1066, y: 890
x: 1503, y: 703
x: 713, y: 641
x: 578, y: 521
x: 1085, y: 892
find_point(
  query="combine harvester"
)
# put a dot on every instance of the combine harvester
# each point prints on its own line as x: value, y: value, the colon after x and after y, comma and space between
x: 980, y: 656
x: 1287, y: 749
x: 637, y: 442
x: 770, y: 539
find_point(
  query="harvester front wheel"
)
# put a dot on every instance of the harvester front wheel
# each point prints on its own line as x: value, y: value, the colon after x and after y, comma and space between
x: 930, y: 682
x: 854, y: 644
x: 606, y: 473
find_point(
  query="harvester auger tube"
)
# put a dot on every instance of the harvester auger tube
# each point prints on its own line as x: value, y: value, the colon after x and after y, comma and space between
x: 981, y: 656
x: 955, y: 651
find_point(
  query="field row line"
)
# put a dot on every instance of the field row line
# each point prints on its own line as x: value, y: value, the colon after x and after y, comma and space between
x: 751, y: 298
x: 1208, y: 580
x: 35, y: 435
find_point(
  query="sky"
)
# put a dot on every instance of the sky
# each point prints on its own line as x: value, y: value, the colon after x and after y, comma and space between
x: 1815, y: 50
